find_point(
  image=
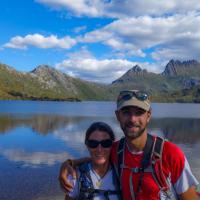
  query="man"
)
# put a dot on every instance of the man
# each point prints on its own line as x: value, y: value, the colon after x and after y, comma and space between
x: 148, y: 167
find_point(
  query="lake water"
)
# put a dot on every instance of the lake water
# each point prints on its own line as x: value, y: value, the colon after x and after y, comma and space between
x: 36, y: 137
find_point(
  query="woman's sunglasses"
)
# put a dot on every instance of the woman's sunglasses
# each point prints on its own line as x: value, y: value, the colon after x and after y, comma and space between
x: 95, y: 143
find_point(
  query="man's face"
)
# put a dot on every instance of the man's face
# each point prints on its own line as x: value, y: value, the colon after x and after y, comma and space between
x: 133, y: 121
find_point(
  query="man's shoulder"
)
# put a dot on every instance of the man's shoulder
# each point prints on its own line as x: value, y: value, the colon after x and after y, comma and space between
x: 173, y: 155
x: 172, y: 149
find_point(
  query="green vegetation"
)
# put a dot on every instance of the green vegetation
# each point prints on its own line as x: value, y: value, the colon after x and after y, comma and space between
x: 46, y: 83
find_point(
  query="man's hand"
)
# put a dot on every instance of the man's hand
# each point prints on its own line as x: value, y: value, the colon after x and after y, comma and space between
x: 65, y: 170
x: 190, y: 194
x: 68, y: 168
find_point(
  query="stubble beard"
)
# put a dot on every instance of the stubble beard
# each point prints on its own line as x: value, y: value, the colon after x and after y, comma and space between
x: 133, y: 135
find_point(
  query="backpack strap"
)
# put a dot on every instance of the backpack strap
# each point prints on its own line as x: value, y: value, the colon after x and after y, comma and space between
x: 144, y: 164
x: 120, y: 154
x: 146, y: 159
x: 151, y: 162
x: 86, y: 188
x: 156, y: 161
x: 147, y: 151
x: 116, y: 181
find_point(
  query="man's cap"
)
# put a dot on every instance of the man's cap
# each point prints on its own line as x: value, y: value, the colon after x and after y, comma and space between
x: 135, y: 98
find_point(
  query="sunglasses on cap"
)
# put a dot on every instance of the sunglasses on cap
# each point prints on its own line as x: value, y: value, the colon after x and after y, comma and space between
x: 95, y: 143
x: 126, y: 95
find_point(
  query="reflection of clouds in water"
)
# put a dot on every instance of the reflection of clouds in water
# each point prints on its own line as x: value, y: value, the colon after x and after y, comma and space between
x: 34, y: 159
x: 181, y: 131
x: 69, y: 133
x: 76, y: 131
x: 73, y: 135
x: 47, y: 197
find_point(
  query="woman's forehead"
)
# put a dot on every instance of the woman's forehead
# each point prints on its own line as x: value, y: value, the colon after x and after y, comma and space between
x: 98, y: 133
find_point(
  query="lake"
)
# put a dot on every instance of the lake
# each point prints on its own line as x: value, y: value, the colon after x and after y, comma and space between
x: 36, y: 137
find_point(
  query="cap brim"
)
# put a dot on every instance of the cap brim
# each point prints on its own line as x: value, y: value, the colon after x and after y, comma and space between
x: 135, y: 102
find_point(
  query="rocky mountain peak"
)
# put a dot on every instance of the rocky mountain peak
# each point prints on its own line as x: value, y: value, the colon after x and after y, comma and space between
x: 52, y: 78
x: 176, y: 67
x: 136, y: 68
x: 135, y: 71
x: 42, y: 69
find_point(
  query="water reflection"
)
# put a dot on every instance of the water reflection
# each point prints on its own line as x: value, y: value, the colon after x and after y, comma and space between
x: 179, y: 130
x: 43, y: 124
x: 35, y: 158
x: 33, y: 146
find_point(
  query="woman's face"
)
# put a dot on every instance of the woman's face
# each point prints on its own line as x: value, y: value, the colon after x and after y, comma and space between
x: 99, y: 155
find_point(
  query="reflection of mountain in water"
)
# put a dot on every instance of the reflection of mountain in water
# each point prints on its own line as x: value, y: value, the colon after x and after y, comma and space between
x: 42, y: 124
x: 178, y: 130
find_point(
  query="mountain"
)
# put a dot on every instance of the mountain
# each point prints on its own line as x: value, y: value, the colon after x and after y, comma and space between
x: 179, y: 82
x: 141, y: 79
x: 185, y: 68
x: 46, y: 83
x: 130, y: 74
x: 170, y: 85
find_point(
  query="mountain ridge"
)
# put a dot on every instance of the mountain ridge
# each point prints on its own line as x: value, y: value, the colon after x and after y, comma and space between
x: 46, y: 83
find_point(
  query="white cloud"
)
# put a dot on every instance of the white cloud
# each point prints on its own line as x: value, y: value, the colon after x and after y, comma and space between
x: 134, y: 36
x: 85, y: 66
x: 145, y: 29
x: 92, y: 8
x: 40, y: 41
x: 79, y: 29
x: 130, y: 8
x: 35, y: 158
x: 176, y: 54
x: 95, y: 70
x: 82, y: 64
x: 122, y: 8
x: 179, y: 34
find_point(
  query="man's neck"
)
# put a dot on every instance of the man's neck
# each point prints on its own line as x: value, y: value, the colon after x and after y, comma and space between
x: 137, y: 144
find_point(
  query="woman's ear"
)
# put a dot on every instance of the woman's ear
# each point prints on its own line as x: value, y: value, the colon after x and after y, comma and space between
x: 117, y: 114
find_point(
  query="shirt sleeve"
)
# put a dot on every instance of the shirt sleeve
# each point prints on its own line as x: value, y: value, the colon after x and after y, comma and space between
x: 74, y: 192
x: 186, y: 179
x: 176, y: 164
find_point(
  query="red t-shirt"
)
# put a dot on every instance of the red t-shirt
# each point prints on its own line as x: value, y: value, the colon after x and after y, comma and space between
x: 174, y: 164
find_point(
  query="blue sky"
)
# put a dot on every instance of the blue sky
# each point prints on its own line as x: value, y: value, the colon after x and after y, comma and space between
x: 98, y: 40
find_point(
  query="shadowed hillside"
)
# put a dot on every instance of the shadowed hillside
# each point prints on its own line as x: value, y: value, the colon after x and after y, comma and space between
x: 179, y: 82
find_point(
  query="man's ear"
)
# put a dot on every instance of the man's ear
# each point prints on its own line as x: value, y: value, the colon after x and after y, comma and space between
x: 148, y: 115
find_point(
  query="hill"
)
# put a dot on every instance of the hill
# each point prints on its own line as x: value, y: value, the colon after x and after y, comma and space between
x: 168, y: 86
x: 46, y: 83
x: 179, y: 82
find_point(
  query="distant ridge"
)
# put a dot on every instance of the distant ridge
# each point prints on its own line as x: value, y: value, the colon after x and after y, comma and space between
x: 179, y: 82
x: 133, y: 72
x: 46, y: 83
x: 185, y: 68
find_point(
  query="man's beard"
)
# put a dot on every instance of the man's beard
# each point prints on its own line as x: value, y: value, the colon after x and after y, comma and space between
x: 133, y: 135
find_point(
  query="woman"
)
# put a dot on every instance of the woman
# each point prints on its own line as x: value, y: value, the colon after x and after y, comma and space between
x: 96, y: 179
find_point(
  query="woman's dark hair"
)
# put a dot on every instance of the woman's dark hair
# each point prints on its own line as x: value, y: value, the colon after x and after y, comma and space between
x: 100, y: 126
